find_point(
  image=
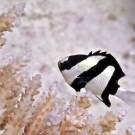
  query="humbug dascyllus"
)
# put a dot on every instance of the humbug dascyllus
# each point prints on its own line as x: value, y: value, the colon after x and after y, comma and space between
x: 97, y: 72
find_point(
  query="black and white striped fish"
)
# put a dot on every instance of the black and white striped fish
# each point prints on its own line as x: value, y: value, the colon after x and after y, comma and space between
x: 97, y: 72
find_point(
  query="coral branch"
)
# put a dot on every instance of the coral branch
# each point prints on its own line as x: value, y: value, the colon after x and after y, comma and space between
x: 43, y: 107
x: 10, y: 20
x: 12, y: 80
x: 108, y: 122
x: 15, y: 123
x: 131, y: 130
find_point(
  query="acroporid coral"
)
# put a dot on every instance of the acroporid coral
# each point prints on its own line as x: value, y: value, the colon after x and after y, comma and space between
x: 102, y: 125
x: 17, y: 91
x: 26, y: 110
x: 10, y: 20
x: 131, y: 130
x: 52, y: 116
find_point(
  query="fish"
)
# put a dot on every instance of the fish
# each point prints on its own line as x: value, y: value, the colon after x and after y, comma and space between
x: 98, y: 72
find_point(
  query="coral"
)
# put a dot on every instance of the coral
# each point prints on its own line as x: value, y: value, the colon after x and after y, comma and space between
x: 131, y: 130
x: 10, y: 20
x: 26, y: 110
x: 17, y: 91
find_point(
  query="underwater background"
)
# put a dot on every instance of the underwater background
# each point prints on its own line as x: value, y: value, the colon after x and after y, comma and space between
x: 53, y: 29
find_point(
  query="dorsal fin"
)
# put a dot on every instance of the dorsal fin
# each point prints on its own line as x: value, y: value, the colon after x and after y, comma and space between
x: 97, y: 52
x: 103, y: 53
x: 90, y: 54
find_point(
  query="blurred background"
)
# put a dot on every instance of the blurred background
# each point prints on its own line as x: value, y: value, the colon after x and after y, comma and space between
x: 53, y: 29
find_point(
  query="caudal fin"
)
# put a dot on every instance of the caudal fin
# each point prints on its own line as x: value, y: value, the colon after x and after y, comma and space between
x: 127, y: 96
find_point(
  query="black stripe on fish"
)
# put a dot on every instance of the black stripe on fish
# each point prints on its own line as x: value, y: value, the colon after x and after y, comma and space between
x: 93, y: 72
x: 75, y: 59
x: 88, y: 75
x: 72, y: 61
x: 111, y: 88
